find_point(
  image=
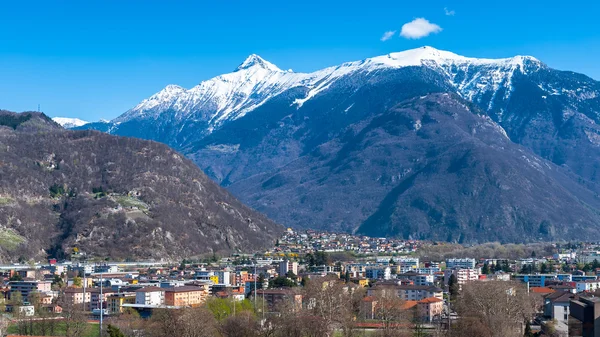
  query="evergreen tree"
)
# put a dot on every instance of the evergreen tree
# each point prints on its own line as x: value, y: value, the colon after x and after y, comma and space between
x: 453, y: 286
x: 347, y: 276
x: 486, y: 269
x: 543, y: 268
x: 113, y: 331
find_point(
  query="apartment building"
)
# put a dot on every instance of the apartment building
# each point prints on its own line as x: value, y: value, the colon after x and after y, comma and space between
x: 461, y: 263
x: 150, y: 296
x: 187, y: 296
x: 463, y: 275
x: 27, y: 287
x: 286, y: 266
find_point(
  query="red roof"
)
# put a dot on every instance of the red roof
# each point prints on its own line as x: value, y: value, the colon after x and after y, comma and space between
x: 541, y: 290
x: 430, y: 300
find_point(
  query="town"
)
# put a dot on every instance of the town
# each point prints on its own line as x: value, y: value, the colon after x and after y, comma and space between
x: 327, y: 284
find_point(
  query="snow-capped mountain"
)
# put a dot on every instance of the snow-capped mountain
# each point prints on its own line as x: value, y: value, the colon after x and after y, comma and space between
x: 69, y: 123
x: 330, y: 148
x: 255, y: 81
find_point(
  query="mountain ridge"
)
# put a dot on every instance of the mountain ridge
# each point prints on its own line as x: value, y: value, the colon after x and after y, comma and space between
x: 247, y: 141
x: 112, y: 196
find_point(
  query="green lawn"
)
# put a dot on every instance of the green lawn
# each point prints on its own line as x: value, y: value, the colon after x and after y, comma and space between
x: 92, y: 330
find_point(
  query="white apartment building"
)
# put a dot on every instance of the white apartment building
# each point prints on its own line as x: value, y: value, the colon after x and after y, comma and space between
x: 150, y: 296
x: 461, y: 263
x: 463, y: 275
x: 409, y: 292
x: 224, y: 277
x: 286, y: 266
x: 418, y: 279
x: 588, y: 285
x: 407, y: 263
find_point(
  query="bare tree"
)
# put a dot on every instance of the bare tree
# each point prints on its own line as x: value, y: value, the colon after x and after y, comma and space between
x: 495, y: 306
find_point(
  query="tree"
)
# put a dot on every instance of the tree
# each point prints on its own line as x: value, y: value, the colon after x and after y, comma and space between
x: 543, y: 268
x: 77, y: 282
x: 113, y: 331
x: 281, y: 281
x: 16, y: 298
x: 498, y: 308
x: 392, y: 312
x: 528, y: 332
x: 486, y: 269
x: 453, y: 286
x: 74, y: 320
x: 16, y: 277
x: 243, y: 325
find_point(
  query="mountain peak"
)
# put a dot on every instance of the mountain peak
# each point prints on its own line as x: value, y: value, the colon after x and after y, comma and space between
x: 256, y: 61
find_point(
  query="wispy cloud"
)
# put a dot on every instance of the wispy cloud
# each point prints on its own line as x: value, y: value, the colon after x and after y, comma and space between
x: 419, y: 28
x: 388, y: 35
x: 449, y: 12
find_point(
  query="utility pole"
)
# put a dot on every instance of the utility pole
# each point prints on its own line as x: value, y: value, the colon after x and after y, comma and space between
x: 101, y: 301
x: 84, y: 284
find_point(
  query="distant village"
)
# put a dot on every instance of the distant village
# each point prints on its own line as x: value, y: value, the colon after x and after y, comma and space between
x: 565, y: 284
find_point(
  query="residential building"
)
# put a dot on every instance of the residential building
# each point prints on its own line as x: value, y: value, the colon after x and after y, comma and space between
x: 417, y: 279
x: 286, y: 266
x: 430, y: 309
x: 463, y: 275
x: 150, y: 296
x: 539, y: 280
x: 378, y: 272
x: 224, y: 277
x: 187, y: 296
x: 27, y: 287
x: 588, y: 286
x: 115, y: 301
x: 97, y: 298
x: 76, y: 297
x: 584, y: 317
x: 461, y: 263
x: 270, y: 299
x: 407, y: 292
x: 556, y: 305
x: 407, y: 263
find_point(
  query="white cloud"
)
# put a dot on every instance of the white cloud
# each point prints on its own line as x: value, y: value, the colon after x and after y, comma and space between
x: 388, y: 35
x: 449, y: 12
x: 419, y: 28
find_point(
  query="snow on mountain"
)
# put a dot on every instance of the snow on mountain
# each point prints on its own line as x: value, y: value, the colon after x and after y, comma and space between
x: 69, y: 123
x: 255, y: 81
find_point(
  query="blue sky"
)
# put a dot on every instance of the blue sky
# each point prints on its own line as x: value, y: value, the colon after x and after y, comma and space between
x: 96, y: 59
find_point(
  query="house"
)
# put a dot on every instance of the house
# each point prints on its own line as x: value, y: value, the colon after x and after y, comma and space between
x: 150, y: 296
x: 430, y: 309
x: 186, y: 296
x: 556, y: 305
